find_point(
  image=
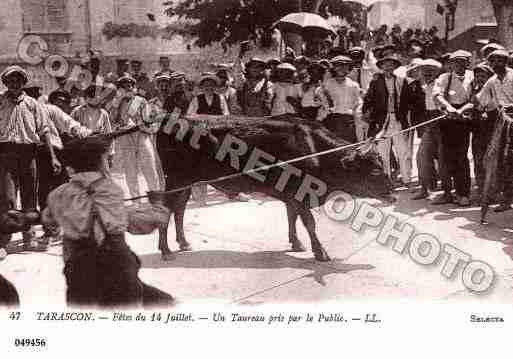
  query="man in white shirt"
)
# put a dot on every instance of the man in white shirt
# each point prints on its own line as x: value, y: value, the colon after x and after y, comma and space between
x: 345, y: 94
x: 451, y: 92
x: 498, y: 90
x: 496, y: 94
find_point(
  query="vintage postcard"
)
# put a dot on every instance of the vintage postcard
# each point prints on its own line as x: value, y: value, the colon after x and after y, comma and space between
x: 294, y: 178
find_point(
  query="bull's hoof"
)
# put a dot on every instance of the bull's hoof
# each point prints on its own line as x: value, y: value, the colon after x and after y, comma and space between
x: 297, y: 246
x: 185, y: 247
x: 168, y: 257
x: 321, y: 255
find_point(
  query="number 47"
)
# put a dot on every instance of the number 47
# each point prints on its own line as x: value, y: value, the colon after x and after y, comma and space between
x: 15, y: 316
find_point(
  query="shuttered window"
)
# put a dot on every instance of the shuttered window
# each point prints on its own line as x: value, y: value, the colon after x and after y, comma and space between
x: 44, y: 16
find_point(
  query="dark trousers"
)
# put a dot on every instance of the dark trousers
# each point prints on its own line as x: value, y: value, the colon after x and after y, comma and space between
x: 8, y: 294
x: 18, y: 170
x: 455, y: 137
x: 482, y: 131
x: 107, y: 276
x: 341, y: 125
x: 48, y: 181
x: 309, y: 113
x: 430, y: 149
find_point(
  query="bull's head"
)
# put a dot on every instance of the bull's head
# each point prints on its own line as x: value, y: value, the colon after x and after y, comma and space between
x: 363, y: 173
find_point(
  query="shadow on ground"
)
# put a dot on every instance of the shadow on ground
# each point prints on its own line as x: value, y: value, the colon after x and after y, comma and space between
x: 215, y: 259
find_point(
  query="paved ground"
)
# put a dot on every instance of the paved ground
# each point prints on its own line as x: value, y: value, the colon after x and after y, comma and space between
x: 240, y: 255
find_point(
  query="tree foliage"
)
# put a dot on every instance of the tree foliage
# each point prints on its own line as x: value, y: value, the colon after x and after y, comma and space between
x: 232, y: 21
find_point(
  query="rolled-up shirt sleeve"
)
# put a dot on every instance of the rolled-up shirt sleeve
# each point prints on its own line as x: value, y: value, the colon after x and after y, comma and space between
x: 439, y: 87
x: 358, y: 103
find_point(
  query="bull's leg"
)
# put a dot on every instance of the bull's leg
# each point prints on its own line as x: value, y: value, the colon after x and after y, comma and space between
x: 181, y: 204
x: 167, y: 254
x: 292, y: 215
x: 309, y: 221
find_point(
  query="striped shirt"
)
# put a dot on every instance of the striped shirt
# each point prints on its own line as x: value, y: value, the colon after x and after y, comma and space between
x: 22, y: 120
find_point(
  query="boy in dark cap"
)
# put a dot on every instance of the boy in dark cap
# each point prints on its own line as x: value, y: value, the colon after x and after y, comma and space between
x: 99, y: 267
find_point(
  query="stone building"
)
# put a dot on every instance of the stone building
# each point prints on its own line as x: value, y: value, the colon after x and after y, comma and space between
x: 71, y: 27
x: 474, y: 20
x: 406, y: 13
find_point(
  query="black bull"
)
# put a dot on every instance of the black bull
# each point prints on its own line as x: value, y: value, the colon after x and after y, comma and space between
x: 204, y: 150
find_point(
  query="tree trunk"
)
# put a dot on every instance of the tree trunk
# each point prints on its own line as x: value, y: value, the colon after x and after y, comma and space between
x: 504, y: 14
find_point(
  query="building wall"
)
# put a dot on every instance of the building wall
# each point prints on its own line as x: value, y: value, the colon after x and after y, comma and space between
x: 406, y: 13
x: 468, y: 14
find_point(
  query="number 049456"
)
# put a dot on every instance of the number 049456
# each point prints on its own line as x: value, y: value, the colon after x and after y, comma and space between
x: 30, y: 342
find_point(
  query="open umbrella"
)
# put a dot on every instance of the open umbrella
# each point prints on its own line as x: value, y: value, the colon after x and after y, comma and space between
x: 301, y: 22
x: 367, y: 3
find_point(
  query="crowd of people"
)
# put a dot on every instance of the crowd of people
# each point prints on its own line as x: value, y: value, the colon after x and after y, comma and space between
x: 357, y: 94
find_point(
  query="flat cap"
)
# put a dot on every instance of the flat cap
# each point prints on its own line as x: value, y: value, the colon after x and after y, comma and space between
x: 499, y: 53
x: 341, y: 59
x: 59, y: 96
x: 208, y: 76
x: 484, y: 68
x: 286, y: 66
x: 126, y: 78
x: 256, y: 61
x: 460, y: 54
x: 432, y: 63
x: 491, y: 47
x: 163, y: 77
x: 11, y: 70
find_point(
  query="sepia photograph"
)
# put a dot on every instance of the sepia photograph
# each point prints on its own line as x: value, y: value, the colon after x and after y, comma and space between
x: 326, y: 165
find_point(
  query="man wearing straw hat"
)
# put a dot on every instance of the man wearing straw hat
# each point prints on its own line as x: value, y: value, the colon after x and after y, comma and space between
x: 452, y: 91
x: 23, y: 125
x: 430, y: 145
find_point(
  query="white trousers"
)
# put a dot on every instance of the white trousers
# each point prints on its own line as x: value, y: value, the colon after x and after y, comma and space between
x: 362, y: 129
x: 136, y: 153
x: 400, y: 144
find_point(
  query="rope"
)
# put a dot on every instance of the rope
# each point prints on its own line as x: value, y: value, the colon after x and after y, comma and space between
x: 294, y: 160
